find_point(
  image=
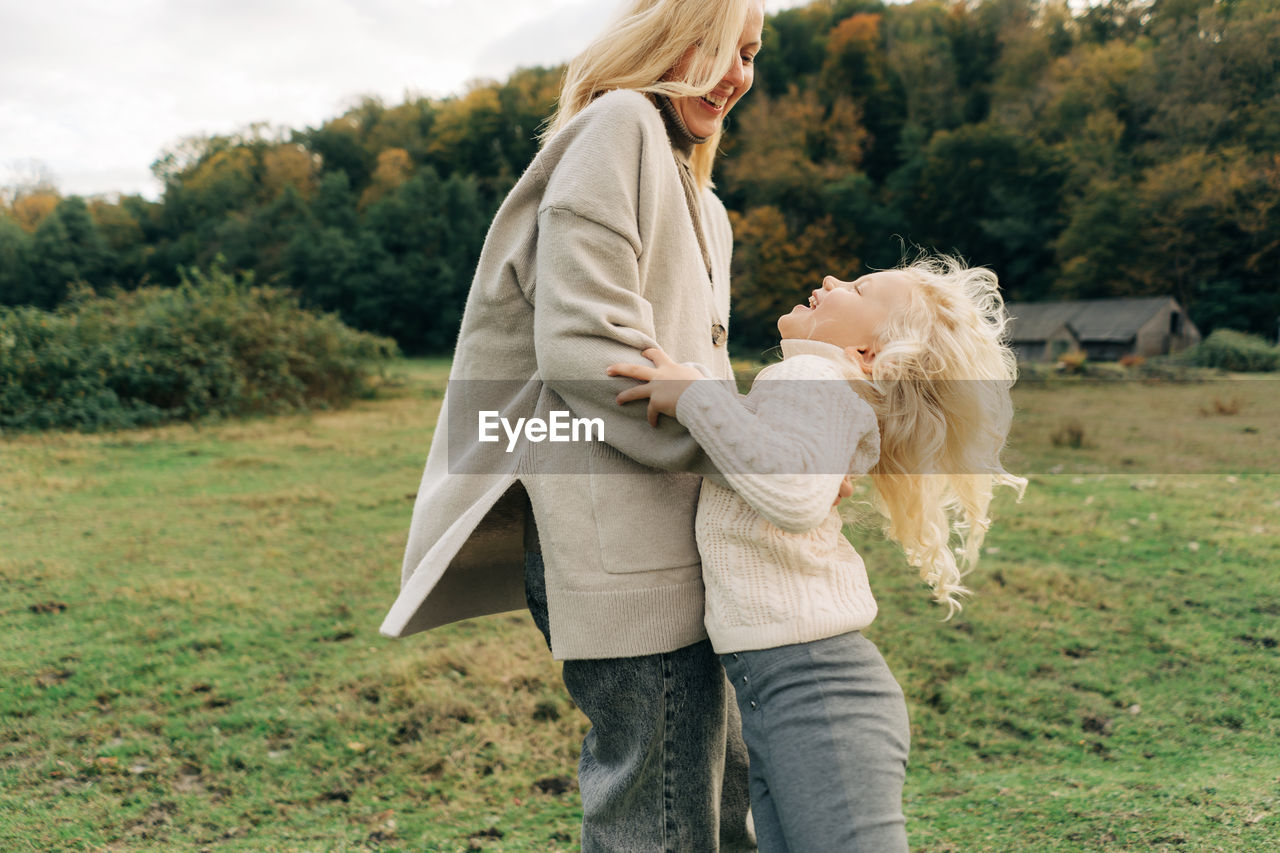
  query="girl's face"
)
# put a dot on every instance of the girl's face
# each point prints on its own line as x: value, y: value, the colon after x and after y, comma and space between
x: 702, y: 116
x: 848, y: 314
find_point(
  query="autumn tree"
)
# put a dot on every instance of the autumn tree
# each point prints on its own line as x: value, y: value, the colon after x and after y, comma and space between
x: 774, y: 268
x: 788, y: 148
x: 393, y: 169
x: 223, y: 182
x: 1125, y: 148
x: 407, y: 127
x: 855, y: 69
x: 1194, y: 215
x: 29, y: 209
x: 288, y: 165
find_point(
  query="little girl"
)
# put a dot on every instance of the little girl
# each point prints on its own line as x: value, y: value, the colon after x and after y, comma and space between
x: 915, y: 393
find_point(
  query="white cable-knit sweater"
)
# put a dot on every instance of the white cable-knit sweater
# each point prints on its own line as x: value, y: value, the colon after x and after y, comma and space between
x: 775, y: 562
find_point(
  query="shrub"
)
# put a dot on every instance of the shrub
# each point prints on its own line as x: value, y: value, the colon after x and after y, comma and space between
x: 1223, y: 407
x: 213, y: 346
x: 1073, y: 361
x: 1173, y: 368
x: 1070, y: 433
x: 1227, y: 349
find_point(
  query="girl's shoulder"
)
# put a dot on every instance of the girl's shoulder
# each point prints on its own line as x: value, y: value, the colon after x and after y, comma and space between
x: 807, y: 383
x: 802, y: 366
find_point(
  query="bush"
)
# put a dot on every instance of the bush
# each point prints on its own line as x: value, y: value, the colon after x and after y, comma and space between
x: 1173, y: 368
x: 1073, y: 362
x: 1227, y: 349
x: 213, y: 346
x: 1070, y: 433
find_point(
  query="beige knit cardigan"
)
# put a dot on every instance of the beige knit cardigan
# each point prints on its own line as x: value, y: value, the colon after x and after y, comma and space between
x: 592, y: 257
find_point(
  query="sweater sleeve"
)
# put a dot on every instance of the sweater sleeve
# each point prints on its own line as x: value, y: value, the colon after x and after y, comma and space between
x: 787, y: 457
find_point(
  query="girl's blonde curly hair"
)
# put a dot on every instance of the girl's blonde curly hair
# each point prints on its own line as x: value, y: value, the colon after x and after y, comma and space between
x: 939, y: 385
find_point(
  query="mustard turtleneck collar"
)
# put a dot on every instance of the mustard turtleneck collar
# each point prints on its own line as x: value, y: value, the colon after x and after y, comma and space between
x: 682, y: 139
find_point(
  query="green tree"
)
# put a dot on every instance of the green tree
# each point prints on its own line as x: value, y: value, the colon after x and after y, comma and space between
x: 990, y: 195
x: 1200, y: 216
x: 918, y: 54
x: 16, y: 278
x: 429, y: 233
x: 341, y: 149
x: 795, y: 43
x: 322, y: 264
x: 1095, y: 249
x: 335, y: 205
x: 855, y: 69
x: 67, y: 247
x: 126, y: 226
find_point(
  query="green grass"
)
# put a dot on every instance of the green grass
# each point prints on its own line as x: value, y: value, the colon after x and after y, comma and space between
x: 191, y: 658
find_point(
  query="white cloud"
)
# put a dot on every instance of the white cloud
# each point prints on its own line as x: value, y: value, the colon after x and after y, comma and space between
x: 97, y: 91
x: 548, y: 40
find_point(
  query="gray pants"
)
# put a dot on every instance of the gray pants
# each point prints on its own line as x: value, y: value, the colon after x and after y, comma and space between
x: 826, y: 728
x: 663, y: 767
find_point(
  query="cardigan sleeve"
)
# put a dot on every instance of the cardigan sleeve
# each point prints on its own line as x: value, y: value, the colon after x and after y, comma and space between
x: 591, y: 307
x: 787, y: 457
x: 589, y: 313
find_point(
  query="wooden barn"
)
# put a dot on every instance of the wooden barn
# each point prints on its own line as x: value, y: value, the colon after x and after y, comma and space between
x: 1104, y: 329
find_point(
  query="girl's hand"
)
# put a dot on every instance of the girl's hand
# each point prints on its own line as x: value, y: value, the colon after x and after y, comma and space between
x: 662, y: 384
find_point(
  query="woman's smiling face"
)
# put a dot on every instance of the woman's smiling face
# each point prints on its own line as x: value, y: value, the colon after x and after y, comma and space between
x: 849, y: 314
x: 702, y: 116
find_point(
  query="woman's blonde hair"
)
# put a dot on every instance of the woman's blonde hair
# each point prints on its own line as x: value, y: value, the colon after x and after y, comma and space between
x: 940, y: 384
x: 641, y: 46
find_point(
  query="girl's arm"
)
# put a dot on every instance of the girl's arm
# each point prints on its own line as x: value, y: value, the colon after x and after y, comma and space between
x: 786, y: 454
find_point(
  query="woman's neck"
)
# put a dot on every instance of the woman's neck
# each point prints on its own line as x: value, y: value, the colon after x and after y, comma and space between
x: 681, y: 138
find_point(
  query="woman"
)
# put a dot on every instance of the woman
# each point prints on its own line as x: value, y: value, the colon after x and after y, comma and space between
x: 611, y: 242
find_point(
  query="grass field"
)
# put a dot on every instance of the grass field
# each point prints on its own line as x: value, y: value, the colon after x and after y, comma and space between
x: 191, y: 658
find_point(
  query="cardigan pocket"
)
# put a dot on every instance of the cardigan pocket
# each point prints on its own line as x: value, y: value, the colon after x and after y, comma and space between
x: 644, y: 517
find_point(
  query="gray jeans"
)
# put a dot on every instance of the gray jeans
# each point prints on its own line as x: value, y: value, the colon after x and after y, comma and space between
x: 655, y: 772
x: 826, y: 727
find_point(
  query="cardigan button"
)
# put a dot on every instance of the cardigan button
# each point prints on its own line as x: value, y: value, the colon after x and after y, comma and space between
x: 718, y: 335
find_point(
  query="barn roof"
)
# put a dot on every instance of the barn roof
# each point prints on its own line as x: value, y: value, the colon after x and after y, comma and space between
x: 1088, y: 319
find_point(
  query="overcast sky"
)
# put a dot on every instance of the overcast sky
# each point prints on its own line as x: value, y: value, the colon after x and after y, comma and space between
x: 94, y: 90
